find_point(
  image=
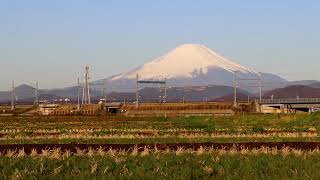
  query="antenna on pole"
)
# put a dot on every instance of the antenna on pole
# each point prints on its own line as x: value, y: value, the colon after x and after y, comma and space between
x: 86, y: 88
x: 13, y: 97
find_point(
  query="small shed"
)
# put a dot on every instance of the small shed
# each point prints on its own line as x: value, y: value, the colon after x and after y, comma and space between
x: 112, y: 108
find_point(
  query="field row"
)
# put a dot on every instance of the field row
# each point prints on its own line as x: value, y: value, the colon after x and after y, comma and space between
x: 146, y: 134
x: 232, y: 147
x: 180, y: 164
x: 150, y: 140
x: 206, y: 147
x: 250, y: 123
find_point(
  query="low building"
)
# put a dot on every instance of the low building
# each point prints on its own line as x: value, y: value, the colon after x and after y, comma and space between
x: 47, y: 109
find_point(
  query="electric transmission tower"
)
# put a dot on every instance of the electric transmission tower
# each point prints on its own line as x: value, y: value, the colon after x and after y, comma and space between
x: 79, y: 90
x: 257, y: 82
x: 36, y: 93
x: 86, y: 88
x: 13, y: 97
x: 163, y: 85
x: 105, y: 95
x: 235, y: 85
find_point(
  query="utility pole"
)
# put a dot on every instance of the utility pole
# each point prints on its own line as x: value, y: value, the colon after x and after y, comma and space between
x: 36, y: 95
x: 235, y: 88
x: 86, y: 88
x: 137, y: 93
x: 78, y: 106
x: 260, y: 87
x: 105, y: 95
x: 165, y: 90
x: 13, y: 97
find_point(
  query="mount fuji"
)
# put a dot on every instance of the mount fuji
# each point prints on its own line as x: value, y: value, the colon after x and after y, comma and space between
x: 187, y: 65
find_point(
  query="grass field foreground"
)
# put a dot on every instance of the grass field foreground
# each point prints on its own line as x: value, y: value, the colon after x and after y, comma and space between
x: 181, y: 163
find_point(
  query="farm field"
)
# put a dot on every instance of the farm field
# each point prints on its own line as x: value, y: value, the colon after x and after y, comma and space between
x: 232, y: 147
x: 19, y: 109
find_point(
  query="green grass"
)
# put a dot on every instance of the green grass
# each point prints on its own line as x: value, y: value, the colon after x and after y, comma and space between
x: 164, y: 166
x: 160, y: 165
x: 288, y: 122
x: 19, y: 129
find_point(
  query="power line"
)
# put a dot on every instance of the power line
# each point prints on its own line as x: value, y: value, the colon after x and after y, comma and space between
x: 236, y: 83
x: 163, y: 84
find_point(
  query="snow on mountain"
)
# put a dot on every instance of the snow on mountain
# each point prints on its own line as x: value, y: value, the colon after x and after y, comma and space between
x: 187, y: 65
x: 185, y: 61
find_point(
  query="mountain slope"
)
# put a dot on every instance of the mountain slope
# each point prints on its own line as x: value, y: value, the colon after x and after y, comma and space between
x: 241, y: 97
x: 23, y: 91
x: 194, y: 93
x: 176, y: 94
x: 185, y: 61
x: 303, y: 83
x: 293, y: 92
x: 315, y: 85
x: 147, y: 94
x: 187, y: 65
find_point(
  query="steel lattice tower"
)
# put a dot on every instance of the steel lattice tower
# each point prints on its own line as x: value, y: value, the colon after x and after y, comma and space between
x: 36, y: 94
x: 13, y: 97
x: 86, y: 88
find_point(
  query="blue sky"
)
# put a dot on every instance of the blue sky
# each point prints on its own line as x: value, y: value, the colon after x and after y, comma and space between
x: 51, y: 41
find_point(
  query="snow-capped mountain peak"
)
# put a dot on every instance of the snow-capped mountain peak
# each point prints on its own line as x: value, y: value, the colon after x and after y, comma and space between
x: 185, y: 61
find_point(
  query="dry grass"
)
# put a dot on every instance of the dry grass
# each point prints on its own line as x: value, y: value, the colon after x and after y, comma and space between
x: 182, y: 135
x: 58, y: 154
x: 177, y: 106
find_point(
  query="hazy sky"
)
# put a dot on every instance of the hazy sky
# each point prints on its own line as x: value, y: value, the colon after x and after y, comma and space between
x: 51, y: 41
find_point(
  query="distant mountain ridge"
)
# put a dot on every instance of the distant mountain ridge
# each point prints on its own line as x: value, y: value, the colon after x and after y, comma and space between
x: 25, y: 93
x: 310, y: 83
x: 295, y: 91
x: 193, y: 93
x: 315, y: 85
